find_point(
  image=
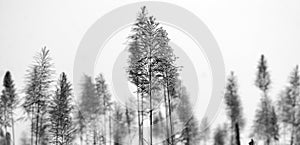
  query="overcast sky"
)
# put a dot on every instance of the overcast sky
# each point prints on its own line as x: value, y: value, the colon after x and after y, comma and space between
x: 243, y: 29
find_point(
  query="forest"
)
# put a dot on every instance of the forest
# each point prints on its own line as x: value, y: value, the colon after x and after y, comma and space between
x: 160, y: 112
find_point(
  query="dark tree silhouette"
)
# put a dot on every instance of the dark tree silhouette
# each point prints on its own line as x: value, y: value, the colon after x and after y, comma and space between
x: 9, y: 102
x: 61, y: 128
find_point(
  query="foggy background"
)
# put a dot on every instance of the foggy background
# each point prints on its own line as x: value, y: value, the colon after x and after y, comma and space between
x: 243, y: 30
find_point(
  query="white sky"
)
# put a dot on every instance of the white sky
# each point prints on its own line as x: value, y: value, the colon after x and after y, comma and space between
x: 243, y: 30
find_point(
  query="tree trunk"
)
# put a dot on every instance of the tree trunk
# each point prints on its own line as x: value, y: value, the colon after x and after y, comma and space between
x: 237, y: 134
x: 170, y: 113
x: 232, y: 133
x: 12, y: 127
x: 166, y: 109
x: 150, y: 88
x: 292, y: 135
x: 32, y: 130
x: 37, y: 125
x: 142, y: 119
x: 110, y: 129
x: 81, y: 138
x: 138, y: 113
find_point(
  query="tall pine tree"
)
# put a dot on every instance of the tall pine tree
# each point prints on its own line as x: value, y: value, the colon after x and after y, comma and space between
x: 9, y: 102
x: 265, y: 123
x: 289, y: 105
x: 233, y: 107
x: 37, y: 89
x: 61, y: 128
x: 151, y: 59
x: 105, y: 105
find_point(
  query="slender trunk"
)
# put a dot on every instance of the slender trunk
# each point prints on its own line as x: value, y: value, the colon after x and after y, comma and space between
x: 81, y: 138
x: 110, y: 141
x: 237, y: 132
x: 104, y: 119
x: 32, y: 130
x: 104, y: 132
x: 170, y: 112
x: 187, y: 136
x: 94, y: 137
x: 267, y: 123
x: 293, y: 121
x: 292, y: 135
x: 5, y: 119
x: 166, y: 109
x: 232, y: 133
x: 150, y: 88
x: 138, y: 114
x: 12, y: 128
x: 128, y: 119
x: 37, y: 125
x: 142, y: 119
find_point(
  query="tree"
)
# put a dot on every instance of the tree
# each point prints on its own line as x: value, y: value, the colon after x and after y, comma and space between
x: 264, y: 127
x: 5, y: 102
x: 149, y: 52
x: 119, y: 122
x: 89, y: 108
x: 80, y: 124
x: 204, y: 130
x: 190, y: 134
x: 220, y: 135
x: 130, y: 117
x: 61, y: 128
x: 37, y: 90
x: 105, y: 103
x: 233, y: 107
x: 289, y: 103
x: 10, y: 102
x: 5, y: 138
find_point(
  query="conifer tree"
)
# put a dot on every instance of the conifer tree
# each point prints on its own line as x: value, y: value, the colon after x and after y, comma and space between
x: 289, y: 104
x: 9, y: 102
x: 37, y: 90
x: 89, y: 108
x: 233, y: 107
x: 190, y: 135
x: 61, y: 128
x: 265, y: 126
x: 151, y: 58
x: 105, y: 105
